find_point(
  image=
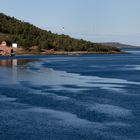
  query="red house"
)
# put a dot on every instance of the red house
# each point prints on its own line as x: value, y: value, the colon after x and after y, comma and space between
x: 6, y: 50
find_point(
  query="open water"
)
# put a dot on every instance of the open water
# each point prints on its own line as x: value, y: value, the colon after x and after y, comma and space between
x: 89, y: 97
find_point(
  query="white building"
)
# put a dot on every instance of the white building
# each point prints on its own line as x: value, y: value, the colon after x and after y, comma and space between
x: 14, y: 45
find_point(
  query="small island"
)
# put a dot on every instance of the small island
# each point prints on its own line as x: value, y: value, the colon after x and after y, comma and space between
x: 33, y: 40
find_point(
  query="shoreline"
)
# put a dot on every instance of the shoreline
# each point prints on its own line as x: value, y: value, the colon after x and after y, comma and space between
x: 68, y: 53
x: 57, y: 53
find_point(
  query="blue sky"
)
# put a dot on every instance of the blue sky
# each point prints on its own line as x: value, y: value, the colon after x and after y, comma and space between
x: 95, y: 20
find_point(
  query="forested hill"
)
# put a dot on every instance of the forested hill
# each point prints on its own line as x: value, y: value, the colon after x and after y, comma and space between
x: 27, y: 35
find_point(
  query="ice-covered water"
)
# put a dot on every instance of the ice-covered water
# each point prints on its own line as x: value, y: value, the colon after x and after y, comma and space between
x: 90, y: 97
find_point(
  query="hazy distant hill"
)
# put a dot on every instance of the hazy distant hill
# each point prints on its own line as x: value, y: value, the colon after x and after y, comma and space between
x: 28, y: 35
x: 119, y: 45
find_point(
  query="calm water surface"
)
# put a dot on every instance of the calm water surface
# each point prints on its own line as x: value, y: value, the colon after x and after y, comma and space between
x: 91, y: 97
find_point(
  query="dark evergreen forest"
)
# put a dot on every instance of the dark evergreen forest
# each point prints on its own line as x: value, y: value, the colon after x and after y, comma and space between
x: 28, y: 35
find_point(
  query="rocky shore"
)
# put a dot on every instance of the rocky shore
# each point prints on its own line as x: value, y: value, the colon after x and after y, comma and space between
x: 23, y: 52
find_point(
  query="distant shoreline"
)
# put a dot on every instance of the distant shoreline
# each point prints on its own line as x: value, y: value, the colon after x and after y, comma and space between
x: 68, y: 53
x: 74, y: 53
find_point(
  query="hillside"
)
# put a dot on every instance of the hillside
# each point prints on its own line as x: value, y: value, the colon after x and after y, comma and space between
x: 119, y: 45
x: 28, y: 35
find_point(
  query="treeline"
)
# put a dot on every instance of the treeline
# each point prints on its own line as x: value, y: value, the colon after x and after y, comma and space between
x: 27, y: 35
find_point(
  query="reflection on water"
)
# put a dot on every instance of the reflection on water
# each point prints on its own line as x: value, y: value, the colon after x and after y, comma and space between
x: 8, y: 63
x: 10, y: 75
x: 14, y: 62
